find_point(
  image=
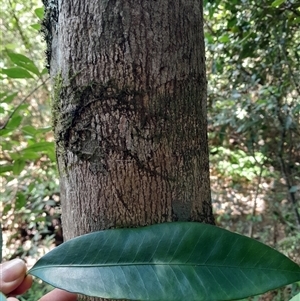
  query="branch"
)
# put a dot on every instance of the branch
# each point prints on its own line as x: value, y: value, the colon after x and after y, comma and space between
x: 3, y: 126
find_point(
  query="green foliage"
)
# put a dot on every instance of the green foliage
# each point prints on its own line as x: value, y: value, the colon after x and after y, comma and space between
x: 27, y: 159
x: 237, y: 164
x: 253, y: 63
x: 171, y: 261
x: 277, y: 3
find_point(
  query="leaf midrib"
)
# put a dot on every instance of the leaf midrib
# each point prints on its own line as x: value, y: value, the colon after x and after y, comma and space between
x: 162, y: 264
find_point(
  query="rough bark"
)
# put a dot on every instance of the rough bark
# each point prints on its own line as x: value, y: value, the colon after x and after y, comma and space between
x: 129, y: 112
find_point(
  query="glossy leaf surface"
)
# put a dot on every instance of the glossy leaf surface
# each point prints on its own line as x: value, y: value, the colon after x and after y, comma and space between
x: 171, y: 261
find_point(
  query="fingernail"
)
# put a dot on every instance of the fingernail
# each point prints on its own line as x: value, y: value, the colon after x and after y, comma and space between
x: 11, y: 270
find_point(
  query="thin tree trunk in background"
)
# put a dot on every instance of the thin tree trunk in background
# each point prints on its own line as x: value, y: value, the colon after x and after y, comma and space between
x: 129, y: 112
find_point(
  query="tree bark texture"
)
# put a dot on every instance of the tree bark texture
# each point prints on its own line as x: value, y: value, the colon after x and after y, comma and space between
x: 129, y: 112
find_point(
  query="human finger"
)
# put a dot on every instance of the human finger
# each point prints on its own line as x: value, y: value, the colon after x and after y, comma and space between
x: 12, y: 275
x: 23, y: 287
x: 59, y: 295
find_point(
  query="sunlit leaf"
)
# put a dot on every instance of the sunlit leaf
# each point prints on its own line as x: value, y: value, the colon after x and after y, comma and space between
x: 24, y: 62
x: 41, y: 146
x: 29, y: 129
x: 14, y: 122
x: 9, y: 98
x: 277, y: 3
x: 296, y: 21
x: 36, y: 26
x: 30, y: 155
x: 224, y: 39
x: 45, y: 71
x: 209, y: 38
x: 52, y: 155
x: 16, y: 72
x: 39, y: 12
x: 32, y: 131
x: 166, y: 262
x: 46, y: 129
x: 5, y: 168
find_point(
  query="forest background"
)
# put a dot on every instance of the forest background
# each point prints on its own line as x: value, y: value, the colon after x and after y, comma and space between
x: 253, y: 72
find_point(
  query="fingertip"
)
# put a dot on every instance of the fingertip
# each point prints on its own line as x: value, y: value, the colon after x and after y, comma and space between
x: 12, y: 275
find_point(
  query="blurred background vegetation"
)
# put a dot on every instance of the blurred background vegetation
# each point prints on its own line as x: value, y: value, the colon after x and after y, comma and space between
x: 253, y: 69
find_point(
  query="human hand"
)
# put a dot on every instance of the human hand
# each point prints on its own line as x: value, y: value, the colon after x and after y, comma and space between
x: 14, y: 281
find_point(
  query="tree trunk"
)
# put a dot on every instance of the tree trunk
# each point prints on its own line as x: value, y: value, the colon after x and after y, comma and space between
x: 129, y: 112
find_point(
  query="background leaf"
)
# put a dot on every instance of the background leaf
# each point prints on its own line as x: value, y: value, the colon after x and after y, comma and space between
x: 18, y: 166
x: 14, y: 122
x: 41, y: 147
x: 172, y: 261
x: 16, y: 72
x: 5, y: 168
x: 8, y: 98
x: 24, y: 62
x: 277, y: 3
x: 40, y: 12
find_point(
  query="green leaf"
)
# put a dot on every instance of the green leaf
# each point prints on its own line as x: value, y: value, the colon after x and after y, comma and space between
x: 32, y: 131
x: 9, y: 98
x: 30, y: 155
x: 296, y: 298
x: 41, y: 147
x: 36, y: 26
x: 224, y: 39
x: 277, y: 3
x: 171, y: 261
x: 20, y: 201
x: 29, y: 130
x: 16, y: 72
x: 44, y: 71
x: 24, y: 62
x: 39, y: 12
x: 46, y: 129
x: 18, y: 167
x: 5, y: 168
x: 52, y: 155
x: 14, y: 122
